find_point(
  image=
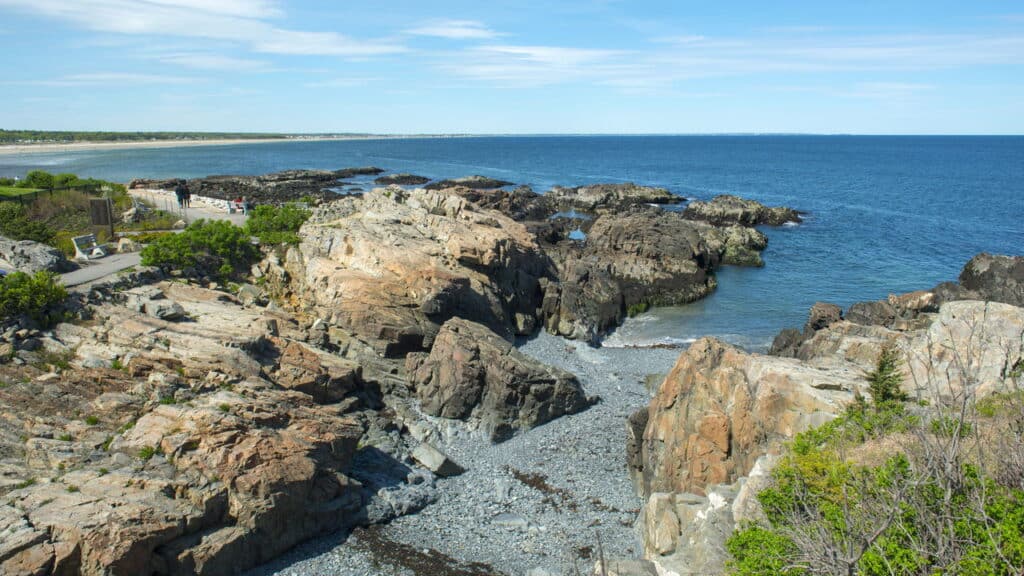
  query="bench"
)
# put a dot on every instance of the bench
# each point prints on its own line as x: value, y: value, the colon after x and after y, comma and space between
x: 86, y: 247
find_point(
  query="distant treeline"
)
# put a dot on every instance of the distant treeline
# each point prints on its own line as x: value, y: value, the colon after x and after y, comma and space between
x: 32, y: 136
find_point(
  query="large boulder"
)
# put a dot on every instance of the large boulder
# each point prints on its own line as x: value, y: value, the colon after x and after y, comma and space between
x: 472, y: 373
x: 727, y: 209
x: 31, y: 257
x: 628, y: 262
x: 994, y: 277
x: 393, y: 266
x: 720, y: 409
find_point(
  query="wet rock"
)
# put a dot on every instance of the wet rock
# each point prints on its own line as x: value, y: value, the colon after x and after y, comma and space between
x: 473, y: 182
x: 401, y: 179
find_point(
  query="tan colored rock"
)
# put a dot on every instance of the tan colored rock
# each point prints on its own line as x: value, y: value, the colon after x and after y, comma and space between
x: 393, y: 265
x: 720, y: 409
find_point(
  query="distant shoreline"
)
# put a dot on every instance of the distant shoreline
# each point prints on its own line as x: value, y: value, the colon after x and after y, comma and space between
x: 87, y: 146
x: 8, y: 149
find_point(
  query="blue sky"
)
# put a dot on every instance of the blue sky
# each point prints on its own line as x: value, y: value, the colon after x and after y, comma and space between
x: 599, y: 66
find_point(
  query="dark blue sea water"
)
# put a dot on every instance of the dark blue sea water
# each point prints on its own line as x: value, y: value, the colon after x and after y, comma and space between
x: 885, y: 214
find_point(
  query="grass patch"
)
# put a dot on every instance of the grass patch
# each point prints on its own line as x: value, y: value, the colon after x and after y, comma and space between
x: 13, y: 192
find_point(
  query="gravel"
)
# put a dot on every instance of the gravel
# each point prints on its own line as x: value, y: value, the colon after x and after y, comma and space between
x: 543, y: 499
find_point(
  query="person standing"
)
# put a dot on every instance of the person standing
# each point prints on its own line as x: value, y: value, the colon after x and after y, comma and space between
x: 188, y: 196
x: 179, y: 193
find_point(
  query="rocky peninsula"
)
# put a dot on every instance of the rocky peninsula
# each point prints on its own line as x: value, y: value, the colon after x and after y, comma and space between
x: 415, y: 388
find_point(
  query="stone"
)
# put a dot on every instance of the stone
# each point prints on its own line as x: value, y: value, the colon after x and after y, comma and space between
x: 31, y: 257
x: 251, y: 295
x: 402, y: 179
x: 436, y: 461
x: 728, y: 209
x: 164, y: 310
x: 471, y: 372
x: 323, y: 376
x: 127, y: 245
x: 511, y: 521
x: 473, y: 182
x: 822, y: 315
x: 996, y: 278
x: 394, y: 265
x: 626, y: 567
x: 720, y: 409
x: 179, y: 225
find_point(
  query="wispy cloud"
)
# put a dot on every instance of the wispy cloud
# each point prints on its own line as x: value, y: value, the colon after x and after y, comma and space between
x: 532, y: 65
x: 211, y: 61
x: 454, y: 29
x: 248, y: 22
x: 676, y: 59
x: 105, y: 78
x: 341, y: 83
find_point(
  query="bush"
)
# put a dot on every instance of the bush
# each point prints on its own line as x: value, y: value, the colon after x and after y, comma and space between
x: 37, y: 179
x: 16, y: 225
x: 897, y: 512
x: 885, y: 380
x: 214, y: 247
x: 35, y: 296
x: 276, y: 225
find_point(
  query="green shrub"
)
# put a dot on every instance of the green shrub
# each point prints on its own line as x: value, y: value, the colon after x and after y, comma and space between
x: 37, y: 179
x: 16, y: 225
x: 885, y: 380
x: 637, y: 308
x: 276, y: 224
x: 214, y: 247
x: 35, y: 296
x: 884, y: 518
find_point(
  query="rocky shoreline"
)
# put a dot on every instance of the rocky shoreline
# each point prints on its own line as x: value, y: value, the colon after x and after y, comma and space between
x: 415, y: 389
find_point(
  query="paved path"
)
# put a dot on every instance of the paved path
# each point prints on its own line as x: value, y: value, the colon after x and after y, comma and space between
x: 97, y: 269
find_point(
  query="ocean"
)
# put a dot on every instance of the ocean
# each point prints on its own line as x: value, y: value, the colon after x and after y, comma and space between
x: 885, y: 214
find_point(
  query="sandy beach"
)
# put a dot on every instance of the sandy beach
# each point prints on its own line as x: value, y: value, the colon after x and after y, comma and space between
x: 85, y: 146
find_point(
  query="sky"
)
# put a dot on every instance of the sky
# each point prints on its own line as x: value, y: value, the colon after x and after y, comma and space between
x: 524, y: 67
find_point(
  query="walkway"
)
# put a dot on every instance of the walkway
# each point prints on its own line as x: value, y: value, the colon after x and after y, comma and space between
x: 161, y: 200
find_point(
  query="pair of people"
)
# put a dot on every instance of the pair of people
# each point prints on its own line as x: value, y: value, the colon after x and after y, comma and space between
x: 183, y: 195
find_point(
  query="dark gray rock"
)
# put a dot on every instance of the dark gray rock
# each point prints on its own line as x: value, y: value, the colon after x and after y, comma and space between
x: 474, y: 182
x: 995, y: 277
x: 401, y: 179
x: 471, y: 372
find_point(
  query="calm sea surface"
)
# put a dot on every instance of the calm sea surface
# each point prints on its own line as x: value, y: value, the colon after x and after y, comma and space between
x: 885, y: 214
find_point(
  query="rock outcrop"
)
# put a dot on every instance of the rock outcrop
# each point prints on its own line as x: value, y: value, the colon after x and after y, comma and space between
x: 727, y: 209
x: 629, y: 261
x: 31, y: 257
x: 608, y: 197
x: 721, y: 413
x: 203, y: 453
x: 273, y: 188
x: 720, y: 409
x: 472, y: 182
x: 402, y: 179
x: 993, y: 277
x: 393, y: 266
x: 471, y: 373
